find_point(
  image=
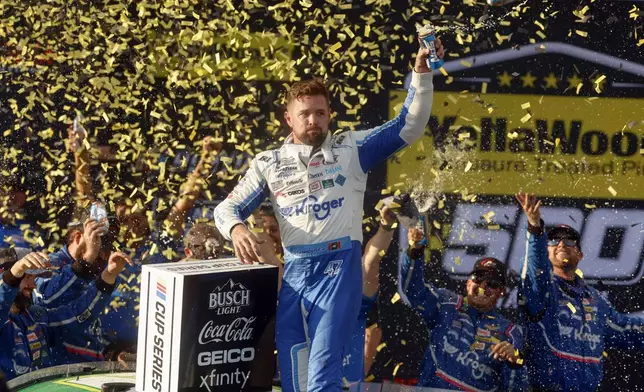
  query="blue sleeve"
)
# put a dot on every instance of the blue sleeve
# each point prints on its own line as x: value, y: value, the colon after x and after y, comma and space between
x: 377, y: 144
x: 87, y: 307
x: 623, y: 330
x: 421, y: 296
x: 536, y: 275
x: 7, y: 296
x: 515, y: 377
x: 247, y: 195
x: 60, y: 288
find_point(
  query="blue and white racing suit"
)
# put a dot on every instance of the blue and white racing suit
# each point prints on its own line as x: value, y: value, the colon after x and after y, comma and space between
x: 353, y: 362
x: 29, y: 338
x: 318, y: 196
x: 568, y: 325
x: 460, y: 337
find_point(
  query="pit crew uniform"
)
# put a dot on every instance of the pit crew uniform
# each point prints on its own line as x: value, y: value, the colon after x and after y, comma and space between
x: 460, y: 337
x: 29, y: 337
x: 568, y: 324
x: 318, y: 196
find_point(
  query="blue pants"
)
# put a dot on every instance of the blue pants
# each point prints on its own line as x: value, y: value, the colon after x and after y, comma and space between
x: 318, y: 309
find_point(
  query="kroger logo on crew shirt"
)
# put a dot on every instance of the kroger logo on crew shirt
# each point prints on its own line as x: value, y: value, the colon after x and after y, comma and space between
x: 310, y: 205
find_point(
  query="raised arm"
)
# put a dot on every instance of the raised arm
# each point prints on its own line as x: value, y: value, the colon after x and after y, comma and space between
x: 231, y: 213
x: 11, y: 278
x: 92, y: 302
x: 536, y: 275
x: 83, y: 180
x: 423, y: 297
x: 377, y: 144
x: 374, y: 251
x: 192, y: 188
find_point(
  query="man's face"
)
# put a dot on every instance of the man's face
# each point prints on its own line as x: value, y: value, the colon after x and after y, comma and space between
x: 272, y: 228
x: 309, y: 117
x: 564, y: 256
x: 483, y: 294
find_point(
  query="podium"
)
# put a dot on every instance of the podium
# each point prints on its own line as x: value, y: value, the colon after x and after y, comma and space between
x: 206, y: 326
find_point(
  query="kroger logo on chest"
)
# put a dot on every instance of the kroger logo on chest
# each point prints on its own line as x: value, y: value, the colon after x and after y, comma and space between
x: 312, y: 206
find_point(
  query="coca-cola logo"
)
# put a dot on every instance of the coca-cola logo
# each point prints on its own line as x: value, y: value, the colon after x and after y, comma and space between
x: 237, y: 331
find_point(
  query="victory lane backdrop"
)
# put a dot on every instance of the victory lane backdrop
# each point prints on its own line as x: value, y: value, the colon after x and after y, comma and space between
x: 207, y: 326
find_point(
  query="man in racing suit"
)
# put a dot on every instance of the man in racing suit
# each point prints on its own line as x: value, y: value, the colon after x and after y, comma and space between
x: 568, y: 323
x: 471, y: 347
x: 28, y: 333
x: 316, y: 183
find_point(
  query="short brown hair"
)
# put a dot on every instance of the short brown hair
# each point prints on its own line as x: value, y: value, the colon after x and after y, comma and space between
x: 307, y: 88
x: 199, y: 233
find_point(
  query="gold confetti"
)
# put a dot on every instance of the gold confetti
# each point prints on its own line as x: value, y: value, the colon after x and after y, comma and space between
x: 395, y: 298
x: 579, y: 273
x: 612, y: 191
x: 572, y: 307
x: 381, y: 346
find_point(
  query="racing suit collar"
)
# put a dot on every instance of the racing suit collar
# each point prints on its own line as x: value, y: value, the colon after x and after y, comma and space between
x: 325, y: 148
x: 574, y: 288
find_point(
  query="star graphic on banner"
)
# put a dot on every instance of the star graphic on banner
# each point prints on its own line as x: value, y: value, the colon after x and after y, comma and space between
x: 574, y: 81
x: 528, y: 80
x: 551, y: 81
x: 505, y: 79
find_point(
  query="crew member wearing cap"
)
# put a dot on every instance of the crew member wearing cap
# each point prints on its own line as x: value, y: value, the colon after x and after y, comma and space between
x: 568, y: 323
x: 29, y: 333
x: 471, y: 347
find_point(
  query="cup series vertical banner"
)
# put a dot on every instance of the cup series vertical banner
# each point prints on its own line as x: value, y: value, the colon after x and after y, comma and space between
x: 206, y: 326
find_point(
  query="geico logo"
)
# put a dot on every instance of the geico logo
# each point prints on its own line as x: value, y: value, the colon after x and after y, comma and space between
x: 493, y: 137
x: 218, y: 357
x: 310, y: 205
x: 616, y: 259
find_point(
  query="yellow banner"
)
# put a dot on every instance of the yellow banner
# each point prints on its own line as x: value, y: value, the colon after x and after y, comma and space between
x: 497, y: 144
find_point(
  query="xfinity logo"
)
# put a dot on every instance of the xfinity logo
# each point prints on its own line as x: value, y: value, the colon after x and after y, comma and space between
x: 219, y: 357
x: 310, y: 205
x: 229, y: 298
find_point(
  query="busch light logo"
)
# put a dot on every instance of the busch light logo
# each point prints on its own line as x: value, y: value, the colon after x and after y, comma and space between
x: 229, y: 298
x: 310, y: 205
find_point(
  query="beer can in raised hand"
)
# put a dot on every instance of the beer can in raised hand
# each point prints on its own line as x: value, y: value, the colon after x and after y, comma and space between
x: 428, y: 40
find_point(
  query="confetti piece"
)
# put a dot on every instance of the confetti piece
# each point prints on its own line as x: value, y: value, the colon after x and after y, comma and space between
x: 397, y: 367
x: 526, y: 118
x: 612, y: 191
x: 395, y: 298
x: 579, y: 273
x: 381, y: 346
x: 572, y: 307
x: 581, y: 33
x: 579, y: 87
x: 444, y: 72
x: 525, y: 105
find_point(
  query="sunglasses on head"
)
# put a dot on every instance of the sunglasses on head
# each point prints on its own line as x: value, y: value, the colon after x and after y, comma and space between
x: 566, y: 241
x: 491, y: 283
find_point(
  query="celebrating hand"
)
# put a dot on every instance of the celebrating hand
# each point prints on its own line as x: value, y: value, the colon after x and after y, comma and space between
x: 504, y: 351
x: 530, y: 206
x: 34, y: 260
x: 91, y: 242
x: 423, y: 54
x: 115, y: 265
x: 415, y: 236
x: 246, y: 244
x: 387, y: 217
